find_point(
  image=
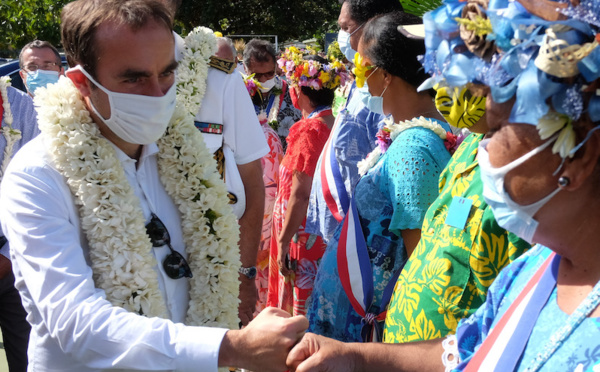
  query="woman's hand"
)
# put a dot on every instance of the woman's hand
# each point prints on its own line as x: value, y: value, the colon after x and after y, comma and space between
x: 283, y: 257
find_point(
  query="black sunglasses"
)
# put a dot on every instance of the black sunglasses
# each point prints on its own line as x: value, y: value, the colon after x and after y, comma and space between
x: 174, y: 264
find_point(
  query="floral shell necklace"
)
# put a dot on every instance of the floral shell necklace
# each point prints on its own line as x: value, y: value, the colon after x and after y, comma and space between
x: 390, y: 132
x: 111, y: 215
x: 11, y: 135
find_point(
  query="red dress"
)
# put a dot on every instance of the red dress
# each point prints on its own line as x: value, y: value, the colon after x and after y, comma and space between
x: 306, y: 140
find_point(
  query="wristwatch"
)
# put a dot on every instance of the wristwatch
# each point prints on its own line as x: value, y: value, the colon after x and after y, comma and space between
x: 249, y: 272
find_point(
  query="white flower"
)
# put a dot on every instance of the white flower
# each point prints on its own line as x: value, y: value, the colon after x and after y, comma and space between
x: 551, y: 123
x: 565, y: 142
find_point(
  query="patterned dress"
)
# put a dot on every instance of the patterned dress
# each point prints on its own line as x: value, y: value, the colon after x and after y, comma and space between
x: 270, y: 164
x: 580, y: 352
x: 393, y: 196
x: 305, y: 142
x: 448, y: 275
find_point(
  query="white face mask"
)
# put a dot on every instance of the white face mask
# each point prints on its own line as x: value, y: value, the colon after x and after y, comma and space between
x: 511, y: 216
x: 135, y: 118
x: 268, y: 85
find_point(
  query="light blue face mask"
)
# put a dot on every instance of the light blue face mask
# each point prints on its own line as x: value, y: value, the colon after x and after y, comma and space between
x: 344, y: 42
x: 374, y: 104
x: 511, y: 216
x: 39, y: 79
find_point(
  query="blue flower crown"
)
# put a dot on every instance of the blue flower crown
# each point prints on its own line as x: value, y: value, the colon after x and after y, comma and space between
x: 542, y: 52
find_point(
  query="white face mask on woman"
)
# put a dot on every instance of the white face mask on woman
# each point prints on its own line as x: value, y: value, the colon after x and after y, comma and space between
x: 135, y: 118
x: 516, y: 218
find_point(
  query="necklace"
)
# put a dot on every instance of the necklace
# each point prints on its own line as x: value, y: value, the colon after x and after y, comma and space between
x: 390, y: 132
x: 111, y: 216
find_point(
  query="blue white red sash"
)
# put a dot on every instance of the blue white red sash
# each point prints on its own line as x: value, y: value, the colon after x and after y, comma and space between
x: 356, y: 275
x: 502, y: 348
x: 334, y: 189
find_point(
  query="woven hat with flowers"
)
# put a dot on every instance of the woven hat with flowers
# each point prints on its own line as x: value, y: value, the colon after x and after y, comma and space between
x: 310, y: 73
x: 543, y: 53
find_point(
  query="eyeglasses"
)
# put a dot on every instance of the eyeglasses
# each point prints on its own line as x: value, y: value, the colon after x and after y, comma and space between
x: 46, y: 66
x: 174, y: 264
x: 266, y: 75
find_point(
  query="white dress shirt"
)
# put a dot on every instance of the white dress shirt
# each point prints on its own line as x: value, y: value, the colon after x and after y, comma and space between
x: 74, y: 327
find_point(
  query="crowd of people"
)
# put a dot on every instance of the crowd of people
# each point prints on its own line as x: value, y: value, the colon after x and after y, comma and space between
x: 189, y: 203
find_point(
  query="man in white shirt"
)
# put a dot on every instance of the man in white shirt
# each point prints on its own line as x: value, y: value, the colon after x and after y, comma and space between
x: 124, y: 82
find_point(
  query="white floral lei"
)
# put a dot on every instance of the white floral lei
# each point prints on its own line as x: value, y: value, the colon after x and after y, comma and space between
x: 11, y: 135
x: 395, y: 129
x: 111, y: 216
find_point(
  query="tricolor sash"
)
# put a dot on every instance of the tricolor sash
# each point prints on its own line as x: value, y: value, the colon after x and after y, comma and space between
x: 503, y: 347
x: 334, y: 190
x: 356, y: 275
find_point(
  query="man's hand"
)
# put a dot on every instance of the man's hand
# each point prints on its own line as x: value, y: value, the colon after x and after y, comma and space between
x: 265, y: 343
x: 248, y: 298
x: 320, y: 354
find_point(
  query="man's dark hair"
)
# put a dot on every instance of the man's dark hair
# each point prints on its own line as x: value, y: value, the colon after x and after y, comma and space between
x: 39, y: 44
x: 260, y: 51
x: 318, y: 97
x: 81, y: 19
x: 363, y: 10
x: 392, y: 51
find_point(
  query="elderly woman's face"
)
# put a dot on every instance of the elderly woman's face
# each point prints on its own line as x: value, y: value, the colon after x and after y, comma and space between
x: 532, y: 180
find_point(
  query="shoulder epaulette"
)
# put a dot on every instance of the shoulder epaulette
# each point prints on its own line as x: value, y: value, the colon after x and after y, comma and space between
x: 221, y: 64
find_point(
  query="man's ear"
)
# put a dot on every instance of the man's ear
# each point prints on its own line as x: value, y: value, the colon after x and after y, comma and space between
x: 23, y: 75
x: 80, y: 80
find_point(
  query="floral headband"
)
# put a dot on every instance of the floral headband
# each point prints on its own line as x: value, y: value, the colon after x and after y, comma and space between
x: 311, y: 74
x: 537, y: 51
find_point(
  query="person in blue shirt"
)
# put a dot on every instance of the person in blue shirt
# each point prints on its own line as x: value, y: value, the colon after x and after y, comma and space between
x: 353, y: 135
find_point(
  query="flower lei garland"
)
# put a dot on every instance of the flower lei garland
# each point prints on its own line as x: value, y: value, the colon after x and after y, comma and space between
x: 11, y: 135
x: 111, y: 216
x: 311, y: 73
x: 391, y: 130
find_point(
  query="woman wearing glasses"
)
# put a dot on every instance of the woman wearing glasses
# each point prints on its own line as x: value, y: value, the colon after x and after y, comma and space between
x: 400, y: 181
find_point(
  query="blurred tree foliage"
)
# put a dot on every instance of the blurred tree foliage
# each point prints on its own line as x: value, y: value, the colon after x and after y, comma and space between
x: 22, y: 21
x: 289, y: 19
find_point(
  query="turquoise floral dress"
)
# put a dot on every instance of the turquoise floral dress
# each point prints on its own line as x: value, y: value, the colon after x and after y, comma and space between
x: 393, y: 196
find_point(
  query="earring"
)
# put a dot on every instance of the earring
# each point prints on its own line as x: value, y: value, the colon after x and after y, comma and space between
x: 564, y: 181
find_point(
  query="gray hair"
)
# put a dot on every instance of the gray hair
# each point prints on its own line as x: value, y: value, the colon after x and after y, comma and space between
x: 260, y: 51
x: 225, y: 40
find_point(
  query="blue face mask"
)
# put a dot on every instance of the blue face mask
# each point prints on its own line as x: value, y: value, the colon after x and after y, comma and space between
x: 39, y: 79
x: 374, y: 104
x: 344, y: 42
x: 516, y: 218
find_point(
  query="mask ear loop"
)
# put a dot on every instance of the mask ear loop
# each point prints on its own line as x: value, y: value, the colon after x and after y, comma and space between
x: 575, y: 149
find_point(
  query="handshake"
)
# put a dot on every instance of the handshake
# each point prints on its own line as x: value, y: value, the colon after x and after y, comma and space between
x: 275, y: 341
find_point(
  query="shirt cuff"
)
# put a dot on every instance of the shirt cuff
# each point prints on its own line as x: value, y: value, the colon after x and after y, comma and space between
x: 198, y: 348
